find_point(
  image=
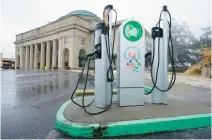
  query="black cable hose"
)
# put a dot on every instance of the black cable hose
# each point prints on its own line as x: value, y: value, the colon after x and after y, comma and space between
x: 110, y: 80
x: 94, y: 48
x: 83, y: 96
x: 171, y: 59
x: 171, y: 55
x: 114, y: 31
x: 72, y: 95
x: 154, y: 83
x: 109, y: 69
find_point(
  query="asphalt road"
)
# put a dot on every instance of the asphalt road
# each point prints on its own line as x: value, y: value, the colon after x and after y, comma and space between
x: 30, y: 100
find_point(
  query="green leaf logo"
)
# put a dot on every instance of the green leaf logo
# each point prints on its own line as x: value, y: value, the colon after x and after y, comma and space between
x: 132, y: 31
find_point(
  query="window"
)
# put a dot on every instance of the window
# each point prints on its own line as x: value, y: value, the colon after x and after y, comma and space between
x: 83, y: 41
x: 82, y: 56
x: 65, y: 40
x: 17, y: 50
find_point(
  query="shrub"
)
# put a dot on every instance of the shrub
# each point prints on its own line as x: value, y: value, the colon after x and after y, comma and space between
x: 194, y: 70
x: 206, y: 53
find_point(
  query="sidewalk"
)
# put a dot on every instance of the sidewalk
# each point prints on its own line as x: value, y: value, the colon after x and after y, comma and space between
x: 196, y: 81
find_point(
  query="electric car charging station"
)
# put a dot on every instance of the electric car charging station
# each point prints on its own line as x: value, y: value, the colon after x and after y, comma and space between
x: 130, y: 62
x: 131, y: 90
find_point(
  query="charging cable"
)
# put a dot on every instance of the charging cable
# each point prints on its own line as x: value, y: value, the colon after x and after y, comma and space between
x: 171, y: 55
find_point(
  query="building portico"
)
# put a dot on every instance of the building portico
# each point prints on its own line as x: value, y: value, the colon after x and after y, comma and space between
x: 61, y: 44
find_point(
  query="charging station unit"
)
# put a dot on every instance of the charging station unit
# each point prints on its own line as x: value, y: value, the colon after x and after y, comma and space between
x: 130, y: 64
x: 161, y: 47
x: 103, y: 43
x: 136, y: 119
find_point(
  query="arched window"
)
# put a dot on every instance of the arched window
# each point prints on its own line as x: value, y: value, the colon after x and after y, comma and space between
x: 82, y: 56
x: 65, y: 58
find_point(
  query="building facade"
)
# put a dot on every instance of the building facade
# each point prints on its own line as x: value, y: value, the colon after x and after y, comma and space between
x: 6, y: 63
x: 61, y: 43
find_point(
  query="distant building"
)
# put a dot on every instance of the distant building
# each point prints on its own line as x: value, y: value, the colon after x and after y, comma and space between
x: 1, y: 60
x: 61, y: 43
x: 6, y: 62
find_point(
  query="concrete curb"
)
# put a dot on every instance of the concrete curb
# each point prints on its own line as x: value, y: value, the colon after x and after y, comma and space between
x: 129, y: 127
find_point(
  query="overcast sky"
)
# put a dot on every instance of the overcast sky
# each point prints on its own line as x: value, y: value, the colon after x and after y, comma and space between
x: 18, y: 16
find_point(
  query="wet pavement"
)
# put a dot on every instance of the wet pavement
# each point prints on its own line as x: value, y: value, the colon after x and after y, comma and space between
x: 25, y: 87
x: 30, y: 100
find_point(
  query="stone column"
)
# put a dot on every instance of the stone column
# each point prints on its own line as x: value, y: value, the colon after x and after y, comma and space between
x: 42, y: 58
x: 22, y: 57
x: 73, y: 54
x: 27, y: 57
x: 31, y: 56
x: 16, y: 58
x: 36, y: 57
x: 48, y: 55
x: 54, y: 54
x: 60, y: 54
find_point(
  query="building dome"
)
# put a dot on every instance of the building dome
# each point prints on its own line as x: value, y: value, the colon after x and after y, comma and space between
x: 80, y: 12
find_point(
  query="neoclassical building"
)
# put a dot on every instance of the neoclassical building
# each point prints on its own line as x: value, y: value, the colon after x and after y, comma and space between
x: 61, y: 43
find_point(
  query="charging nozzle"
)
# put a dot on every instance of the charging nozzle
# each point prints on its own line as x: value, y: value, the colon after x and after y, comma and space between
x: 96, y: 51
x: 157, y: 32
x: 160, y: 68
x: 148, y: 54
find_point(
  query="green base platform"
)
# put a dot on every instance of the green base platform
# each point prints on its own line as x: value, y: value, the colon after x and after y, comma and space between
x: 179, y: 114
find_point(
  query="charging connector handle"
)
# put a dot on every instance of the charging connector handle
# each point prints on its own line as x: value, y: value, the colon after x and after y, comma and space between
x: 157, y: 32
x: 92, y: 53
